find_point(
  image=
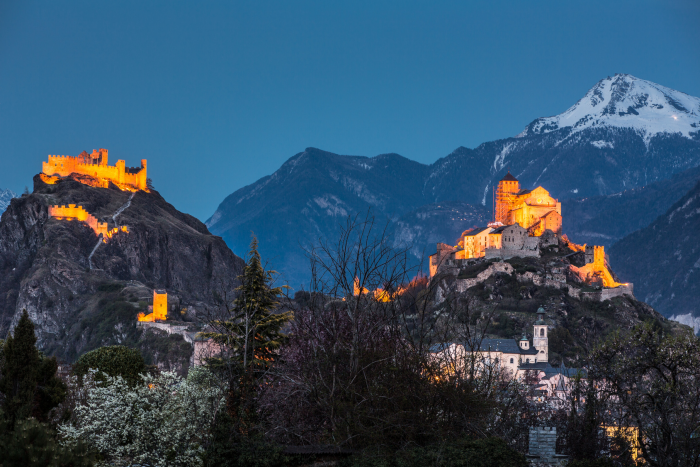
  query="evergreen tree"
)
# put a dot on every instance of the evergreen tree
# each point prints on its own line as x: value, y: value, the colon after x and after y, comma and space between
x: 251, y: 335
x: 28, y: 381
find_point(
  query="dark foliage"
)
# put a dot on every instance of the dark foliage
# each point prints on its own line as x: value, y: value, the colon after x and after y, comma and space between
x: 34, y: 444
x: 116, y: 360
x: 488, y: 452
x: 28, y: 384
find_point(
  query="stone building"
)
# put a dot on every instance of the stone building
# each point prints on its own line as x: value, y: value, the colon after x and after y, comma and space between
x: 96, y: 165
x: 534, y: 210
x: 512, y: 354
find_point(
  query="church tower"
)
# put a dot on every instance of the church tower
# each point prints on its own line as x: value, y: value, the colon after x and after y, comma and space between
x: 540, y: 340
x: 503, y: 203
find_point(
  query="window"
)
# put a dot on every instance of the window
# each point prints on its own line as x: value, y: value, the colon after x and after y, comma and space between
x: 527, y: 360
x: 511, y: 360
x: 542, y: 332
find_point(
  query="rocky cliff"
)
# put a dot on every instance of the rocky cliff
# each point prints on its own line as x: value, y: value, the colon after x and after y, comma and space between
x: 82, y: 293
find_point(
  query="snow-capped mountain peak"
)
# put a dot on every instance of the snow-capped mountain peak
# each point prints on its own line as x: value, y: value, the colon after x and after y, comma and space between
x: 624, y: 101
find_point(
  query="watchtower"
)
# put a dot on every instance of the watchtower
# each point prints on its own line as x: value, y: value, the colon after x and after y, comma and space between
x: 506, y: 190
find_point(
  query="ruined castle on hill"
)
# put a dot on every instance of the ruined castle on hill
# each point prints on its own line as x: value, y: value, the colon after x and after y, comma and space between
x: 93, y: 170
x: 524, y: 222
x: 96, y: 165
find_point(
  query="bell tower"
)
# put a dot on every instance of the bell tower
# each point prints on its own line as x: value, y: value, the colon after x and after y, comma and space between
x: 505, y: 193
x: 540, y: 340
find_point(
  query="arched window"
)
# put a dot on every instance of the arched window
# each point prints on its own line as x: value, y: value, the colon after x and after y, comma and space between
x: 542, y: 332
x: 511, y: 360
x: 527, y: 360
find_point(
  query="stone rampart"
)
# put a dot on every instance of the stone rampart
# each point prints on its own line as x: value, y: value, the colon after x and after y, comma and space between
x: 118, y: 174
x: 547, y: 282
x: 507, y: 253
x: 607, y: 294
x: 463, y: 284
x: 73, y: 212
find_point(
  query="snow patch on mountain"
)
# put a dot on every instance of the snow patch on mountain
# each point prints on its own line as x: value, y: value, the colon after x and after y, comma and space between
x: 499, y: 161
x: 602, y: 144
x: 5, y: 197
x: 624, y: 101
x: 332, y: 205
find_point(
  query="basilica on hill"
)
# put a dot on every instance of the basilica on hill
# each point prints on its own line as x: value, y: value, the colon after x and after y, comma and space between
x: 525, y: 221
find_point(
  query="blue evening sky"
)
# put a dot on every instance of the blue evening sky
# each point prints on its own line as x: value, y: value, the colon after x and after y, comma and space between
x: 218, y: 94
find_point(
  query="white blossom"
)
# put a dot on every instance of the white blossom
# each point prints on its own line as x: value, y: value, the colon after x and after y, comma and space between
x: 165, y: 421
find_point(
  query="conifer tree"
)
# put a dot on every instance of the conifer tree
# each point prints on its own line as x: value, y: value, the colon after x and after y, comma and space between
x: 250, y: 335
x: 28, y: 381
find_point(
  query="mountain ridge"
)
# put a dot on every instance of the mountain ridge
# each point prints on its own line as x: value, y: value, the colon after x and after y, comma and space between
x: 303, y: 200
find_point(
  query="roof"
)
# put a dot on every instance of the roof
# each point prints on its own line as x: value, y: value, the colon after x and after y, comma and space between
x: 475, y: 232
x: 523, y: 192
x: 499, y: 230
x: 541, y: 366
x: 509, y: 178
x: 505, y: 346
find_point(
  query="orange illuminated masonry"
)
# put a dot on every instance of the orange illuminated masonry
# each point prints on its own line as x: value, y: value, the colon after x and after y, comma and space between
x: 73, y: 212
x: 160, y: 307
x: 96, y: 165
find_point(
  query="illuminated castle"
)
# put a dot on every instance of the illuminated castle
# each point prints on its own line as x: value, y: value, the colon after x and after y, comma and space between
x: 96, y: 165
x: 160, y: 307
x: 534, y: 210
x: 73, y: 212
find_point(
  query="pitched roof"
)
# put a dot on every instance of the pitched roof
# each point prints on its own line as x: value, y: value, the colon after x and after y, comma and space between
x: 474, y: 232
x: 505, y: 346
x: 499, y: 229
x: 509, y: 178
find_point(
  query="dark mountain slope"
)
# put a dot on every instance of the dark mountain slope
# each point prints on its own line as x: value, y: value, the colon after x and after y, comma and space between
x: 663, y: 259
x: 603, y: 220
x: 44, y: 265
x: 307, y: 198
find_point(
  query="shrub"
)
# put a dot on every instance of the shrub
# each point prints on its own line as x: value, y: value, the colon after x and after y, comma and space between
x: 115, y: 360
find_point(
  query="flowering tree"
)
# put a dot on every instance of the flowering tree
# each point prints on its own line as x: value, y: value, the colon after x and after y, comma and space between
x: 165, y: 421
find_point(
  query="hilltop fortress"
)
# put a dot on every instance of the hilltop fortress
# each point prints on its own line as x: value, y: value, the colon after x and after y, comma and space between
x: 93, y: 170
x: 96, y: 165
x: 524, y: 222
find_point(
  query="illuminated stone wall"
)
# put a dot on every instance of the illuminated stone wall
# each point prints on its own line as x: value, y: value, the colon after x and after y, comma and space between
x: 73, y: 212
x: 95, y: 165
x: 160, y: 308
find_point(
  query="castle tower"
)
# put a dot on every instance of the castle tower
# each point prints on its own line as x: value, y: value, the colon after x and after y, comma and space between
x: 599, y: 258
x: 160, y: 305
x: 540, y: 340
x: 505, y: 191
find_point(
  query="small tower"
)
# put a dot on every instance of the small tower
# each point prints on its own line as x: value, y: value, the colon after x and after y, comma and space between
x: 540, y: 340
x: 524, y: 342
x: 505, y: 192
x: 160, y: 305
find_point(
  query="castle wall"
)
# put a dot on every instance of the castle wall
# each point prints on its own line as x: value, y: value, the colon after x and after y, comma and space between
x: 64, y: 166
x: 78, y: 213
x: 73, y: 212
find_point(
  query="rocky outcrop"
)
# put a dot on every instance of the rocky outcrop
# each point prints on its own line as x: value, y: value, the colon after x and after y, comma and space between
x: 44, y: 266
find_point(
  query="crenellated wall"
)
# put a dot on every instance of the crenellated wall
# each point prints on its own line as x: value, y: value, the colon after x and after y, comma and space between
x: 95, y: 165
x: 73, y: 212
